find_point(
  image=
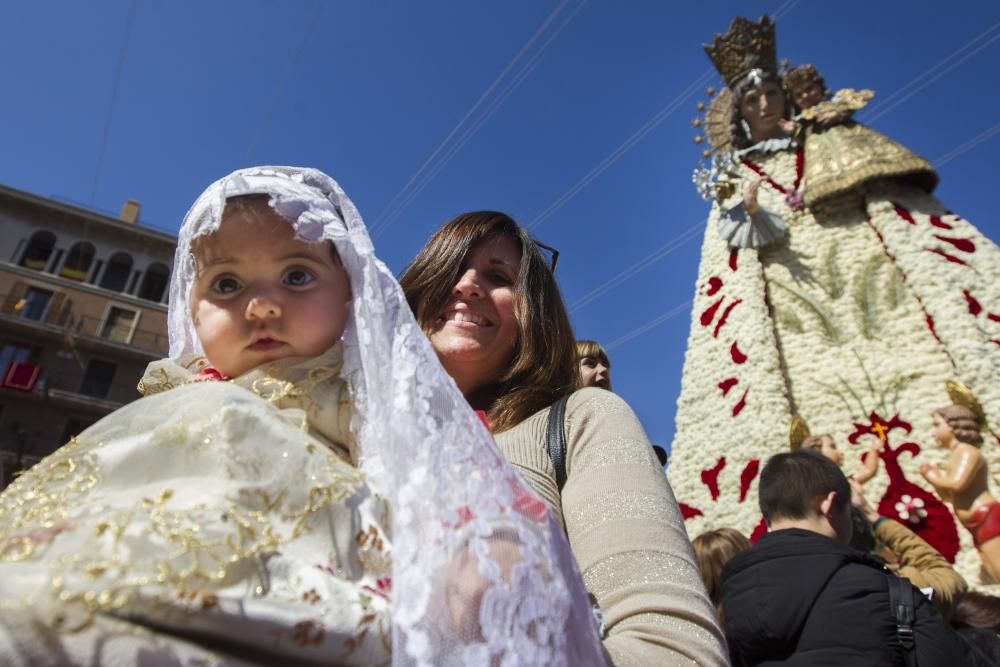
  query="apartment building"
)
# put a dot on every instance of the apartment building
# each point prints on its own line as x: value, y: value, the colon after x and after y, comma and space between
x: 82, y: 311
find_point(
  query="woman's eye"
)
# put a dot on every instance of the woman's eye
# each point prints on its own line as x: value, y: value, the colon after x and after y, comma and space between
x: 298, y: 277
x: 226, y: 285
x: 500, y: 279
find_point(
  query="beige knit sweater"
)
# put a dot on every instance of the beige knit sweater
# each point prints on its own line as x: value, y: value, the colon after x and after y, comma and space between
x: 625, y: 530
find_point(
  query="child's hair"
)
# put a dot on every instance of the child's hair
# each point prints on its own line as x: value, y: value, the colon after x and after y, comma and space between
x: 862, y: 537
x: 249, y: 205
x: 591, y: 348
x: 713, y: 549
x: 792, y: 481
x: 964, y: 423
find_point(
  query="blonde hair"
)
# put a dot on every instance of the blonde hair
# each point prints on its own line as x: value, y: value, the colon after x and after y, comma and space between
x: 591, y: 348
x: 543, y: 364
x: 713, y: 549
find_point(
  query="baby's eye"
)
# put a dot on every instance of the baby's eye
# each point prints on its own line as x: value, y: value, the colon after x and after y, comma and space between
x: 225, y: 285
x: 298, y: 277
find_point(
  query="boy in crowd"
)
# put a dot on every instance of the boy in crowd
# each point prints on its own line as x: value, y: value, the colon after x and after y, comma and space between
x: 801, y: 596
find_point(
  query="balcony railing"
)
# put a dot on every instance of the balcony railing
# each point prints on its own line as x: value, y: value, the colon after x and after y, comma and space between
x: 91, y: 390
x: 97, y: 328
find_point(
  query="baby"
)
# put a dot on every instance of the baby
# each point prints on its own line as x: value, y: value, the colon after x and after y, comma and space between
x: 238, y: 514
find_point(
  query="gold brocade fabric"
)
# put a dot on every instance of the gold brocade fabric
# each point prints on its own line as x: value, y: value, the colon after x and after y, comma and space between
x: 839, y: 159
x: 221, y: 511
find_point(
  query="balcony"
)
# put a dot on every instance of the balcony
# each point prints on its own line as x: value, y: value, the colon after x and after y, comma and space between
x: 49, y: 316
x: 91, y: 394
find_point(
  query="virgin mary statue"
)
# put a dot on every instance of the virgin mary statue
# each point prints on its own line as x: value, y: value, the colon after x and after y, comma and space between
x: 835, y: 295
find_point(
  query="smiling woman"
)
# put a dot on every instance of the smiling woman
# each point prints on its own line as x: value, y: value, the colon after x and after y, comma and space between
x: 490, y: 305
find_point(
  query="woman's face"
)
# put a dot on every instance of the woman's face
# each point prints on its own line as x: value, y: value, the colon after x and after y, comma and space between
x: 762, y: 107
x: 475, y: 333
x: 593, y: 373
x: 942, y: 432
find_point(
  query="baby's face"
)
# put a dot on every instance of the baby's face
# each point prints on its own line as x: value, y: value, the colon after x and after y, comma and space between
x: 261, y: 295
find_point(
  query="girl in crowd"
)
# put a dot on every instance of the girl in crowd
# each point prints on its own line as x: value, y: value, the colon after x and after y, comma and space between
x: 713, y: 549
x: 239, y: 513
x: 595, y: 367
x: 489, y: 303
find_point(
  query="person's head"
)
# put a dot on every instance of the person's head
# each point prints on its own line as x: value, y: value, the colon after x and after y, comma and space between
x: 956, y: 422
x: 661, y: 455
x: 713, y: 549
x: 805, y: 86
x: 975, y: 610
x: 825, y: 445
x: 595, y: 367
x: 486, y: 297
x: 260, y: 294
x: 862, y: 535
x: 759, y: 105
x: 805, y: 489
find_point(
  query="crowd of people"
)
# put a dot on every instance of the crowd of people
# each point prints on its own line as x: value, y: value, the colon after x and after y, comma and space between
x: 336, y: 467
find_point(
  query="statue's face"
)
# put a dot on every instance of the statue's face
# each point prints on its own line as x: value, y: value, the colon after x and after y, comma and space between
x: 762, y: 107
x: 808, y: 95
x: 942, y: 432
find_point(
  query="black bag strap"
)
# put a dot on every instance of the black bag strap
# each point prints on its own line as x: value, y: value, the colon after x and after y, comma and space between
x: 901, y: 600
x: 555, y: 440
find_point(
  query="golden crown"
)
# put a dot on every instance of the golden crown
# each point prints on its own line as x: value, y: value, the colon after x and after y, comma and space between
x: 744, y: 47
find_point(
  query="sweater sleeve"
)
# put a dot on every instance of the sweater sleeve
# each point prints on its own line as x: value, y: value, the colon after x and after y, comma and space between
x: 919, y: 562
x: 629, y: 541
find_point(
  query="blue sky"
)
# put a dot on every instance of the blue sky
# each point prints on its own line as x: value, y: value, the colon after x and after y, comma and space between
x: 574, y: 117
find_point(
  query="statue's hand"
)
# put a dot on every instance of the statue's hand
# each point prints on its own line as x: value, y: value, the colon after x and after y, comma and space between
x: 830, y: 118
x: 750, y: 195
x: 787, y: 126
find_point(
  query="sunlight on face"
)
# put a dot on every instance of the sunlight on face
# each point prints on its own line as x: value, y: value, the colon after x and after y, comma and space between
x: 261, y: 295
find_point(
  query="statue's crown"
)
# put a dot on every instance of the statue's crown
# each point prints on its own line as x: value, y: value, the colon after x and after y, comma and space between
x: 744, y: 47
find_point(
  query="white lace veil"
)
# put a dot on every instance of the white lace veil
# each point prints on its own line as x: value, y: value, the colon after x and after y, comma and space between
x: 482, y: 574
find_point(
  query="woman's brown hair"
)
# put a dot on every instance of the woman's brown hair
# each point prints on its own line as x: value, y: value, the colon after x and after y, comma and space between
x: 543, y: 363
x: 964, y: 423
x: 713, y: 549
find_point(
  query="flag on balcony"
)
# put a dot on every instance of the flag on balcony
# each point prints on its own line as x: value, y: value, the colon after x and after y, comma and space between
x: 21, y: 376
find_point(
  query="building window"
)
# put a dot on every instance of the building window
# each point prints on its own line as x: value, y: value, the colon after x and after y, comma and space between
x: 154, y: 283
x: 39, y: 249
x: 78, y: 261
x: 97, y: 378
x: 119, y: 324
x: 11, y: 353
x: 33, y: 304
x: 118, y: 271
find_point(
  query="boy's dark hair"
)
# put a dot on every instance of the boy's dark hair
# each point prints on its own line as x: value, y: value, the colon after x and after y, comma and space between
x: 792, y: 481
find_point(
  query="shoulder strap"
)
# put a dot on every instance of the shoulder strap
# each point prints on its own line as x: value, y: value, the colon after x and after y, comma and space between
x: 555, y: 440
x: 901, y: 600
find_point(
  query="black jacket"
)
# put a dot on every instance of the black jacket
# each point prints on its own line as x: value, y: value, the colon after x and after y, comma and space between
x: 799, y: 598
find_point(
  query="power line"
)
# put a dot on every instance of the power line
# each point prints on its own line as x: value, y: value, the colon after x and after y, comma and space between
x: 111, y: 104
x: 644, y: 263
x: 396, y: 206
x: 888, y: 104
x: 986, y: 135
x: 652, y: 324
x: 280, y: 87
x: 639, y: 135
x: 617, y: 154
x: 470, y: 131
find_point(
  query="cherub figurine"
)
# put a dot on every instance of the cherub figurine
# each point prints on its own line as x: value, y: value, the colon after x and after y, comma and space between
x: 964, y: 480
x: 800, y: 438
